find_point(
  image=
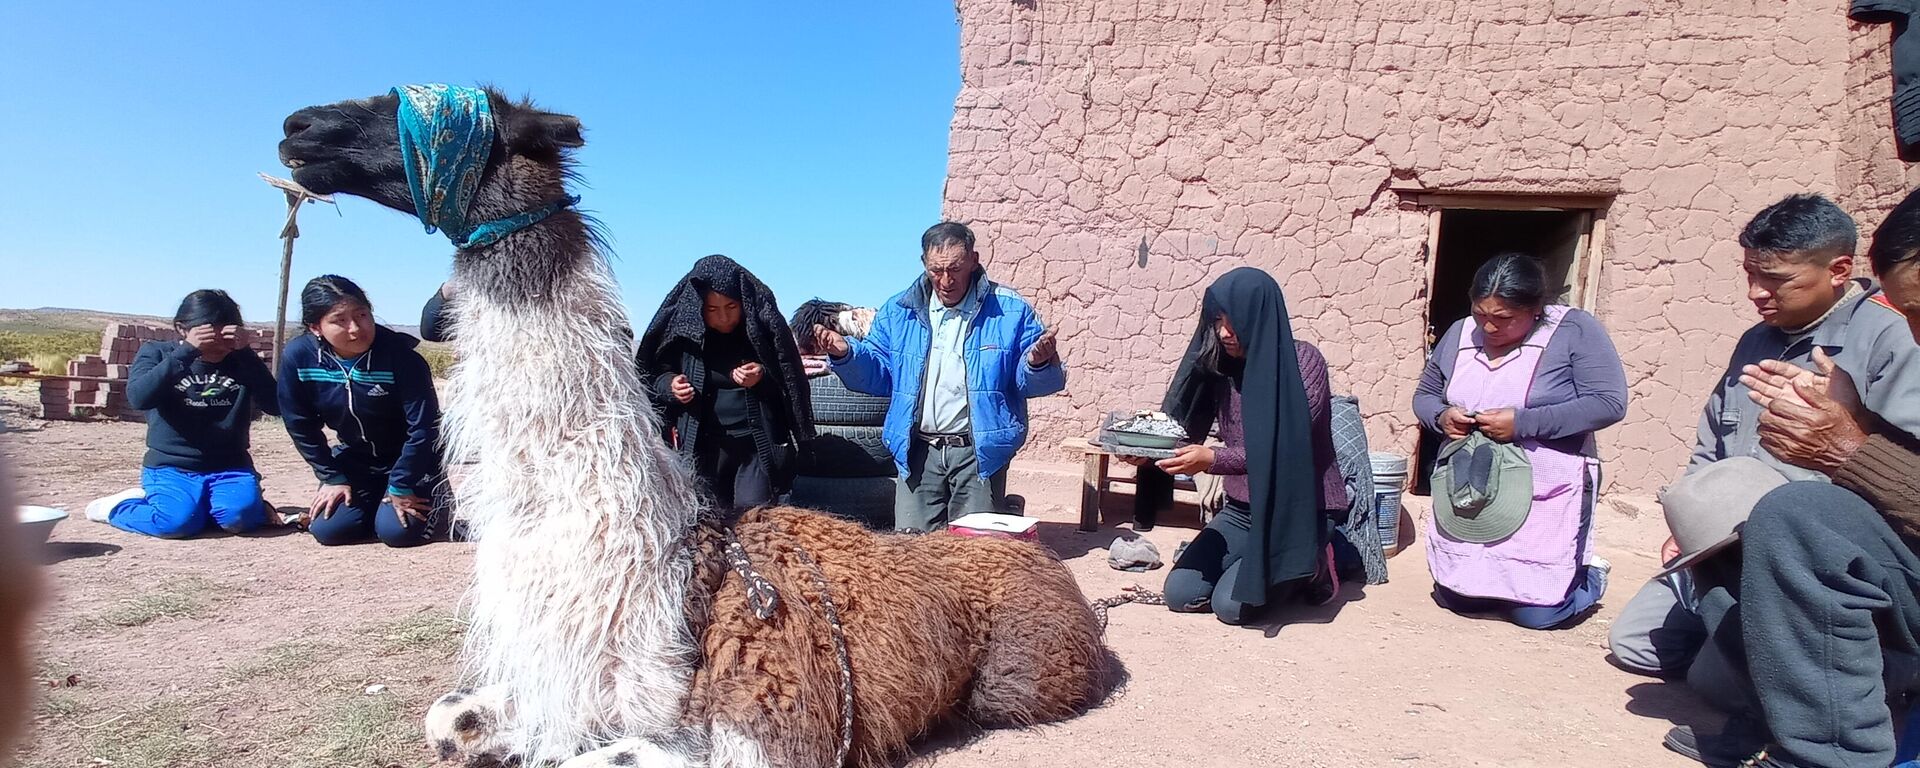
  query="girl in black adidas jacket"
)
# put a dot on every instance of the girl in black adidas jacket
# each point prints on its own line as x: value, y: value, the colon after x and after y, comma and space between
x: 367, y: 384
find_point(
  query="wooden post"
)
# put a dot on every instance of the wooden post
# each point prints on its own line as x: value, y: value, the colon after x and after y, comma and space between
x: 287, y: 235
x: 296, y: 195
x: 1093, y: 481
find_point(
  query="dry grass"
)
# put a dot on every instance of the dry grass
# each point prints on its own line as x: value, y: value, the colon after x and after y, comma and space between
x: 285, y: 659
x: 365, y: 730
x: 160, y: 735
x: 48, y: 350
x: 176, y: 599
x: 432, y: 632
x: 439, y: 357
x: 57, y: 706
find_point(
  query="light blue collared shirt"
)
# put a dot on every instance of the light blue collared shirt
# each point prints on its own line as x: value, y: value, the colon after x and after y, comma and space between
x: 943, y: 399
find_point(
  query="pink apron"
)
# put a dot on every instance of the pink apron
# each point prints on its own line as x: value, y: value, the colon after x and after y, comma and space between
x: 1536, y: 565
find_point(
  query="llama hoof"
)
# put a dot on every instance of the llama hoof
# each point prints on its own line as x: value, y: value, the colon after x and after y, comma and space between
x: 629, y: 753
x: 468, y: 725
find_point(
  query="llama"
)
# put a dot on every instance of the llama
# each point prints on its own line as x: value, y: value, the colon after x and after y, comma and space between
x: 610, y: 625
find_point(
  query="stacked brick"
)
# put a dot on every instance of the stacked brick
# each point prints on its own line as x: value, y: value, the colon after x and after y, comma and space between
x: 84, y: 392
x: 96, y: 385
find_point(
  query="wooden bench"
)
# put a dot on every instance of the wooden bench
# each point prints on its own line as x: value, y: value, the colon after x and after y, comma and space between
x: 1095, y: 480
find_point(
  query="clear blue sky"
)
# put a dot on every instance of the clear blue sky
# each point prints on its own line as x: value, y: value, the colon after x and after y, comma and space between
x: 806, y: 140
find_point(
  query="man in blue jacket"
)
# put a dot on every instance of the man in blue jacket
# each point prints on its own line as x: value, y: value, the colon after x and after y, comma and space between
x: 958, y: 355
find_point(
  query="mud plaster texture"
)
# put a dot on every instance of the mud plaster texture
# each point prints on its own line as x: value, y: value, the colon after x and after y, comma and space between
x: 1281, y: 135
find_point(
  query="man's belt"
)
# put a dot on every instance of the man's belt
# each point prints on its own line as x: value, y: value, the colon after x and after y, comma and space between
x: 960, y: 440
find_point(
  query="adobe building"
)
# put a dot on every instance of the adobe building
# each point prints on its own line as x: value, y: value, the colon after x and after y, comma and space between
x: 1118, y: 155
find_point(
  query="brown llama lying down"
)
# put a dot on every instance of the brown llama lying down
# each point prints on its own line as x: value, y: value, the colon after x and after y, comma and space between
x: 610, y: 624
x: 992, y: 630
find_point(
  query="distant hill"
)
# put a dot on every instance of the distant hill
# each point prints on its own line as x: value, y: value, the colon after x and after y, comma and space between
x: 55, y: 319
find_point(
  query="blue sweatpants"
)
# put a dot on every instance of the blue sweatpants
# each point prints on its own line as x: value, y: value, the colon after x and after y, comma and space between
x: 366, y: 515
x: 179, y: 503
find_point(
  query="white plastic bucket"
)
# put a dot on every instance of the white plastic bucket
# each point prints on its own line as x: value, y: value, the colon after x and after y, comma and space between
x: 1389, y: 480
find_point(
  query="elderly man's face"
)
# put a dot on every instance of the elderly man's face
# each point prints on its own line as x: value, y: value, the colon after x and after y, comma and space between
x: 950, y: 268
x: 1902, y: 283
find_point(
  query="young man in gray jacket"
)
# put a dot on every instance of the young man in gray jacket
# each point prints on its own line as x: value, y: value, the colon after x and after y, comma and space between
x: 1799, y: 259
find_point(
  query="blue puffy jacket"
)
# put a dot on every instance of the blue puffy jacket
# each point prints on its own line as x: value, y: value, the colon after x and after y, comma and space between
x: 381, y: 405
x: 891, y: 362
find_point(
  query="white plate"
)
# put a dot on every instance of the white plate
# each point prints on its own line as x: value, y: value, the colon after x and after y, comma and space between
x: 30, y: 515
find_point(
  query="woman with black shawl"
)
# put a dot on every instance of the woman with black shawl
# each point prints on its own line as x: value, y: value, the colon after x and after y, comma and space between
x: 728, y: 382
x: 1269, y: 396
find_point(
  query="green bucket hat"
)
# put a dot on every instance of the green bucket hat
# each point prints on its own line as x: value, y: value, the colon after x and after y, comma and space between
x: 1482, y: 490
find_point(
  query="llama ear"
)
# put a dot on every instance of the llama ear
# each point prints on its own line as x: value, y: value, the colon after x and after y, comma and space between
x: 544, y: 133
x: 562, y: 130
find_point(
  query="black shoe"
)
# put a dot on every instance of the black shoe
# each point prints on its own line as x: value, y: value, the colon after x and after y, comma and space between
x: 1741, y: 740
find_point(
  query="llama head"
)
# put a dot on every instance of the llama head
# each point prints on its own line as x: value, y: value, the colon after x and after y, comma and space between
x: 520, y: 159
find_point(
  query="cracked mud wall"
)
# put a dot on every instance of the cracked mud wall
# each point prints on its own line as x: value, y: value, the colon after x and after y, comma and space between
x: 1116, y: 156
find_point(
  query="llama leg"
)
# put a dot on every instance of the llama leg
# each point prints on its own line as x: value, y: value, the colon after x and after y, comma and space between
x: 470, y: 725
x: 678, y: 748
x: 631, y: 753
x: 1044, y: 660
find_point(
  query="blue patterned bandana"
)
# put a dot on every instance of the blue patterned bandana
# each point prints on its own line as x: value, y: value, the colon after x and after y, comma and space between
x: 446, y: 134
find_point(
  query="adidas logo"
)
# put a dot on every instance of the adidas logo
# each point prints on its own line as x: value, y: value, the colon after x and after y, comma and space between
x: 376, y: 391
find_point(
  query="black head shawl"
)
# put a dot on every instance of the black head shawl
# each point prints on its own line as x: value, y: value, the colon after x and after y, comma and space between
x: 681, y: 319
x: 1288, y: 536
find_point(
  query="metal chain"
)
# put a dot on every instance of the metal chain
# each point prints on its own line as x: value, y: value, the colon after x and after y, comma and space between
x: 1131, y: 594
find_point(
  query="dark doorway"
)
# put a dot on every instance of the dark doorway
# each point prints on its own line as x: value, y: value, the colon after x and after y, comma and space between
x: 1468, y: 238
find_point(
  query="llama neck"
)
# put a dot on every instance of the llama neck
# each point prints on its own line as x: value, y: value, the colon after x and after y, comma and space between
x: 574, y: 501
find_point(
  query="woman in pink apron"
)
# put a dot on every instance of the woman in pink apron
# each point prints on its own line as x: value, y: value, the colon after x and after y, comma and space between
x: 1545, y: 378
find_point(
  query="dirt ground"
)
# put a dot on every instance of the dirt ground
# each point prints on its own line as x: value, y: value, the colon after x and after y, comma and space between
x: 262, y: 651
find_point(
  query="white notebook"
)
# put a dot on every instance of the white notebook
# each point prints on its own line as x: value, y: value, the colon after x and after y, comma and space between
x: 988, y: 521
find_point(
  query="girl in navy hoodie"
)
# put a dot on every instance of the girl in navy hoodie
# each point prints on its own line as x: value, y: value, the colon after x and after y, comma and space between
x: 199, y: 394
x: 366, y: 383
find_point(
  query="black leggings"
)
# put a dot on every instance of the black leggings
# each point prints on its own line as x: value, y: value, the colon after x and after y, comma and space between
x: 1204, y: 576
x: 733, y: 474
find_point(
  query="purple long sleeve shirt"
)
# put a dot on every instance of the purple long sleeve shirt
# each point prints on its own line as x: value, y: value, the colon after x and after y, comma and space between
x: 1230, y: 461
x: 1579, y: 387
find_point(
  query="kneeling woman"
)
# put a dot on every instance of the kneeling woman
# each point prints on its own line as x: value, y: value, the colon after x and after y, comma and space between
x: 1268, y: 394
x: 199, y: 394
x: 728, y: 382
x: 367, y: 384
x: 1544, y: 378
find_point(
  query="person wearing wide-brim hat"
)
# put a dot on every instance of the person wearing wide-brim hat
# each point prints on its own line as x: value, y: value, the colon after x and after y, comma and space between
x: 1520, y: 388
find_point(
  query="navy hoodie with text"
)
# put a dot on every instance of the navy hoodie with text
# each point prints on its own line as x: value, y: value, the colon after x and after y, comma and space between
x: 198, y: 412
x: 381, y: 405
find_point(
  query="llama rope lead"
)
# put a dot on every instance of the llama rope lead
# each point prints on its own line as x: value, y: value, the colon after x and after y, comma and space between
x: 761, y: 596
x: 841, y: 654
x: 764, y: 599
